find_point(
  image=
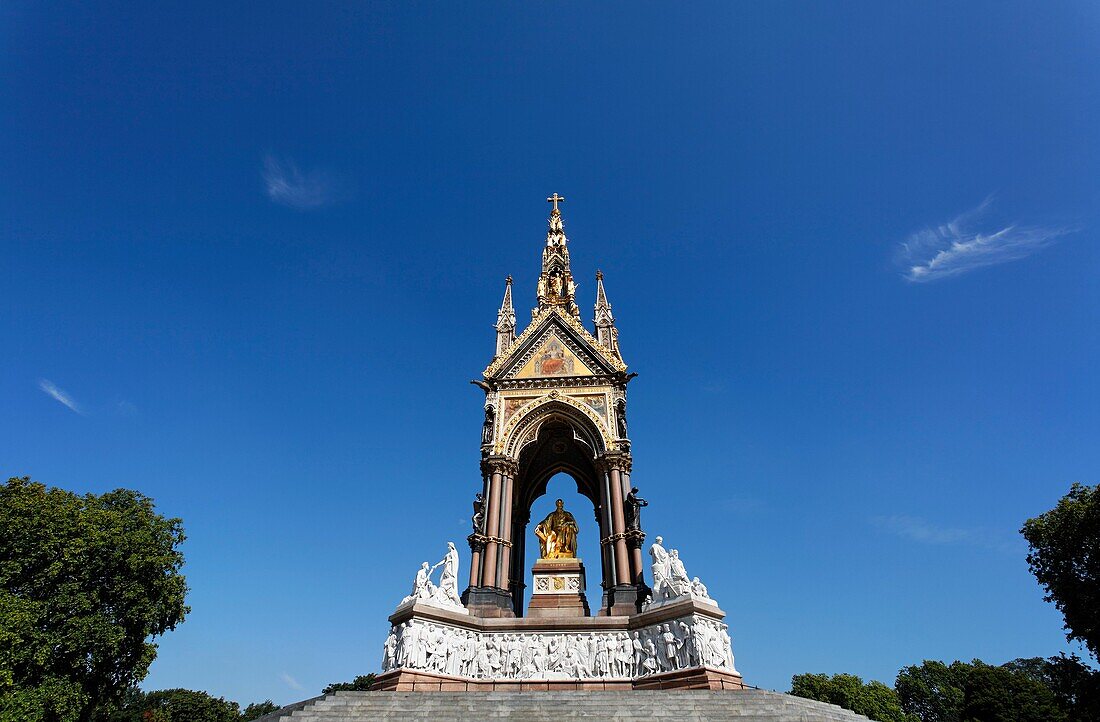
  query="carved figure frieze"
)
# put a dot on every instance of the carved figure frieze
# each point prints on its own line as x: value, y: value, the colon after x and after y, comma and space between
x: 689, y: 641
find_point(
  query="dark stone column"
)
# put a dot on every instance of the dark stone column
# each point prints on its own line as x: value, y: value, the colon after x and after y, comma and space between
x: 504, y: 569
x: 625, y: 598
x: 491, y: 597
x: 492, y: 528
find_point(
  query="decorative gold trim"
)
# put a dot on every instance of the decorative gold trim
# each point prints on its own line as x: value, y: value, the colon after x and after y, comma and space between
x: 527, y: 411
x: 536, y: 324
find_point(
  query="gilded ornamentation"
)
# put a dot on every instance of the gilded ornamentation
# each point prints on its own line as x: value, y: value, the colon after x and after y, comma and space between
x: 557, y: 534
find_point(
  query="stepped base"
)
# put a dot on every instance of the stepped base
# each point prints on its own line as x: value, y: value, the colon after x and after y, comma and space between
x: 750, y: 705
x: 409, y: 680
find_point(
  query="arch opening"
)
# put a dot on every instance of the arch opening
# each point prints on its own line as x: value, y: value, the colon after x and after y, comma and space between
x: 558, y: 462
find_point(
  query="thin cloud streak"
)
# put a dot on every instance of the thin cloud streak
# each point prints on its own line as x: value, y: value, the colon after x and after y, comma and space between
x: 957, y: 247
x: 924, y: 532
x: 59, y: 395
x: 289, y: 681
x: 288, y: 186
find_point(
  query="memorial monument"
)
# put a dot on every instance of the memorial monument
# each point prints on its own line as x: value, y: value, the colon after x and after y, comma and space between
x: 556, y: 401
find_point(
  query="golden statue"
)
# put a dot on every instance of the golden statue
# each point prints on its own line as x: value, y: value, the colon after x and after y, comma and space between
x: 557, y: 534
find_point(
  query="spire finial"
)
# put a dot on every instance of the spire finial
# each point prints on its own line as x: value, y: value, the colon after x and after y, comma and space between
x: 506, y: 319
x: 555, y: 199
x: 599, y: 275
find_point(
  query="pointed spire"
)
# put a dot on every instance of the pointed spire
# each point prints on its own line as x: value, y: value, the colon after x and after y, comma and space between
x: 556, y: 286
x: 606, y: 333
x: 506, y: 320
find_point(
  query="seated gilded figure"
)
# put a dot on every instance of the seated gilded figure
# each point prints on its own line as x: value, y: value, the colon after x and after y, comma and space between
x: 557, y: 534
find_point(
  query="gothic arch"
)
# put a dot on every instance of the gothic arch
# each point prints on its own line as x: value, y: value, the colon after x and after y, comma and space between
x: 523, y: 428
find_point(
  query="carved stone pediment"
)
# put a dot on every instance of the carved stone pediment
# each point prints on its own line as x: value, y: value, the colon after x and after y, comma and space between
x: 554, y: 346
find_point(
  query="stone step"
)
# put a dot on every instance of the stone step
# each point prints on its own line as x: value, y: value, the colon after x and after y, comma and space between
x: 620, y: 706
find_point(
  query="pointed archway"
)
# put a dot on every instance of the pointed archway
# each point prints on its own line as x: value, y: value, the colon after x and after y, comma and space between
x: 554, y: 435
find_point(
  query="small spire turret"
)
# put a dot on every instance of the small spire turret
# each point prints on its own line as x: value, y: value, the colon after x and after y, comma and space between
x: 606, y: 333
x: 506, y: 320
x: 556, y: 286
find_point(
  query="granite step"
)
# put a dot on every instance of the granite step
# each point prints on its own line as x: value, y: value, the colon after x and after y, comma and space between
x: 620, y: 706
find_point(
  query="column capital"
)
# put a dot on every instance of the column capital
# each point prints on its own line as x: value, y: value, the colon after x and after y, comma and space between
x: 477, y: 542
x: 614, y: 460
x: 499, y: 463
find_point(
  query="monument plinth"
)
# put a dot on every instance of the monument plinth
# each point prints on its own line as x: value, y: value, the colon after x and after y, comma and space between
x: 557, y: 589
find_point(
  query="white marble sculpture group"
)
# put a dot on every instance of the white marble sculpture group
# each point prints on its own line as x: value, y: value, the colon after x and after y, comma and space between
x: 670, y: 579
x: 444, y: 595
x: 689, y: 641
x: 692, y: 640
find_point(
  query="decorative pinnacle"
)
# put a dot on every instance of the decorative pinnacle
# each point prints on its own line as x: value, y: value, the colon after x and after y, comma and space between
x: 599, y: 275
x: 555, y: 199
x: 508, y: 280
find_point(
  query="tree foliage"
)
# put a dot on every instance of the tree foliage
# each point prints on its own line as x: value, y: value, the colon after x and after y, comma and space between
x: 258, y: 709
x: 1065, y: 558
x: 1024, y: 690
x: 85, y: 583
x: 873, y: 699
x: 180, y: 705
x: 361, y: 683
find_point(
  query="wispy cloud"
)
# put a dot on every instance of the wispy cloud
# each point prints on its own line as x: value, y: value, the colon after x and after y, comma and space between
x: 289, y: 186
x: 960, y: 245
x: 59, y: 395
x: 289, y: 681
x: 924, y: 532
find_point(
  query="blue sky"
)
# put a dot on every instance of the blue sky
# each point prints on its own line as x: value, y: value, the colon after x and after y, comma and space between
x: 252, y: 259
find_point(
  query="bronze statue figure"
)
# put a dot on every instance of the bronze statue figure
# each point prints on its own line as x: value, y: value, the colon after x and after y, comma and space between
x: 634, y: 504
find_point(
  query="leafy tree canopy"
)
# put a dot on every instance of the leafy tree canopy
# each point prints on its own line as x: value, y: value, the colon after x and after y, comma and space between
x: 361, y: 683
x: 85, y: 583
x: 873, y: 699
x: 1024, y: 690
x: 1065, y: 558
x: 180, y: 705
x: 258, y: 709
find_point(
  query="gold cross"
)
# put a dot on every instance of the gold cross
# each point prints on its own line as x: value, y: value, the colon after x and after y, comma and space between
x: 555, y: 199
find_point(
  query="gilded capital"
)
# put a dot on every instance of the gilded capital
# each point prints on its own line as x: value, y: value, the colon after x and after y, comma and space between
x: 499, y: 463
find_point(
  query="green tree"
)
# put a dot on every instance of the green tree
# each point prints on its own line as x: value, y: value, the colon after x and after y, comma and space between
x: 1001, y: 694
x: 171, y: 705
x: 258, y: 709
x: 933, y: 691
x: 361, y: 683
x: 86, y: 582
x: 1024, y: 690
x: 1065, y: 558
x: 1076, y: 688
x: 873, y: 699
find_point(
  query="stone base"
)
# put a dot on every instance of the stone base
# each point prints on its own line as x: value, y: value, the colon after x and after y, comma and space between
x: 693, y: 678
x: 488, y: 602
x: 536, y: 704
x: 624, y: 600
x: 409, y: 680
x: 558, y: 653
x: 558, y: 589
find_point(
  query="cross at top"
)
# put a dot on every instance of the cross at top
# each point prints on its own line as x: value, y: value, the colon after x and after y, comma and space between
x: 555, y: 199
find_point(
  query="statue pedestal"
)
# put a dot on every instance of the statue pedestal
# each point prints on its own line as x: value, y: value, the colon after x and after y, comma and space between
x: 558, y: 589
